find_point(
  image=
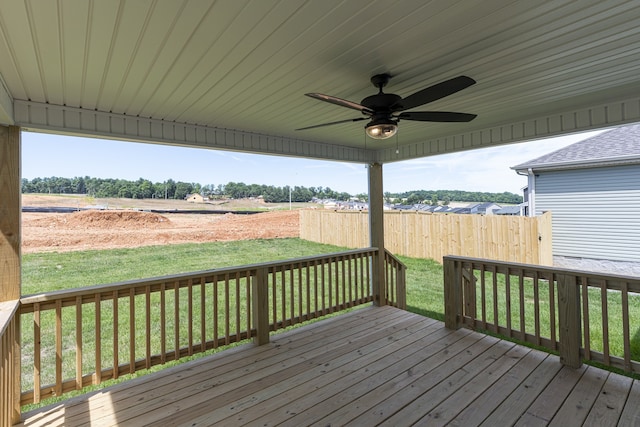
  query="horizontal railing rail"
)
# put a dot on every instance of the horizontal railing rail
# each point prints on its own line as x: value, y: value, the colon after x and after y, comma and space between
x: 581, y: 315
x: 80, y: 337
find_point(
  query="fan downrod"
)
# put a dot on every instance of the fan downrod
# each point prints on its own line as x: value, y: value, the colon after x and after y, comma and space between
x: 380, y: 80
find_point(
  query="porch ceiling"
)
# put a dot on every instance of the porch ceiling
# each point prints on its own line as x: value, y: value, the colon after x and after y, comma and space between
x: 232, y: 74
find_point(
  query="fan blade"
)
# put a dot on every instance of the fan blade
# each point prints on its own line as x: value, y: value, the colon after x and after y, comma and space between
x: 433, y: 93
x: 341, y: 102
x: 436, y: 116
x: 335, y: 123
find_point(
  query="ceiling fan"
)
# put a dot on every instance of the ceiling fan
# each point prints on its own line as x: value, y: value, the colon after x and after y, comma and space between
x: 385, y: 110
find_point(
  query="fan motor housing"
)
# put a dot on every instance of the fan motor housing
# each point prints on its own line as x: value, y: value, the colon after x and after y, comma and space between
x: 381, y: 101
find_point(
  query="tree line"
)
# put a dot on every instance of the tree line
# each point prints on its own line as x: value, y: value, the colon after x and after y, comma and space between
x: 446, y: 196
x: 170, y: 189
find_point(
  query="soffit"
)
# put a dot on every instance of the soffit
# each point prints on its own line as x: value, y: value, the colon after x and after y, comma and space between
x: 242, y: 67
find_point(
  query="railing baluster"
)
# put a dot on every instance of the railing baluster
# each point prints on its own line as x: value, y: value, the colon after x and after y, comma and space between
x: 132, y: 330
x: 585, y: 318
x: 163, y: 317
x: 625, y: 327
x: 483, y: 290
x: 315, y: 287
x: 496, y: 320
x: 507, y: 288
x: 343, y: 283
x: 522, y: 313
x: 97, y: 379
x: 552, y: 313
x: 358, y: 280
x: 283, y: 295
x: 78, y: 342
x: 322, y: 286
x: 307, y: 273
x: 349, y: 264
x: 176, y: 321
x: 190, y: 316
x: 536, y: 308
x: 330, y: 287
x: 226, y: 309
x: 336, y: 304
x: 203, y: 330
x: 147, y: 296
x: 58, y: 333
x: 237, y: 298
x: 215, y: 312
x: 292, y: 295
x: 115, y: 335
x: 37, y: 351
x: 274, y: 296
x: 249, y: 302
x: 300, y: 292
x: 605, y: 321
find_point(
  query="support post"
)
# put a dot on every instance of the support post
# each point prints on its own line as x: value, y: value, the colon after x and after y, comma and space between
x: 10, y: 211
x: 260, y: 305
x: 569, y: 320
x: 452, y: 294
x: 376, y: 233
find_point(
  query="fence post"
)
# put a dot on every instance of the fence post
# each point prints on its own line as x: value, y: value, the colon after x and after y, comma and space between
x: 260, y: 305
x: 569, y: 320
x: 452, y: 294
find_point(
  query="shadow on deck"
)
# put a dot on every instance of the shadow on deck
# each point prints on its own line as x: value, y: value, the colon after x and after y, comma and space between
x: 372, y: 366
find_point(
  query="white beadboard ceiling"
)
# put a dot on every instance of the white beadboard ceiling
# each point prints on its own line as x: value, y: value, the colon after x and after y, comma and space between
x: 231, y: 74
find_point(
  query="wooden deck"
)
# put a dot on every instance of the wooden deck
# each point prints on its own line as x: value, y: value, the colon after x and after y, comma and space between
x: 373, y: 366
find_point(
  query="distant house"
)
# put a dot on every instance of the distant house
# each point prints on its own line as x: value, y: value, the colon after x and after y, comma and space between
x: 484, y: 208
x: 510, y: 210
x: 195, y: 198
x: 592, y: 189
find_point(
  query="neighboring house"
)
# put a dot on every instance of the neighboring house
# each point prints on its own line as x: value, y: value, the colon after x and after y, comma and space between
x: 195, y: 198
x: 487, y: 208
x: 592, y: 189
x: 510, y: 210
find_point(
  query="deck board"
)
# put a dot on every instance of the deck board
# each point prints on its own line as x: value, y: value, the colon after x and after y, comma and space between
x: 372, y: 366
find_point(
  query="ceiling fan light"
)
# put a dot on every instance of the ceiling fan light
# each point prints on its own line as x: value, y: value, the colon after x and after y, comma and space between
x: 381, y: 129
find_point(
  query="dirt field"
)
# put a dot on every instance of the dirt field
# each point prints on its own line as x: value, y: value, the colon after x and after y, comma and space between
x: 108, y: 229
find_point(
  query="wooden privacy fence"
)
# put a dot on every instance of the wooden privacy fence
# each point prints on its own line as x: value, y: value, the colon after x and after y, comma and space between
x: 79, y: 337
x: 425, y: 235
x: 582, y: 315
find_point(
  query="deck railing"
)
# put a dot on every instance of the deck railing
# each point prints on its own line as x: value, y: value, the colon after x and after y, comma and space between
x: 9, y: 364
x: 80, y: 337
x: 581, y: 315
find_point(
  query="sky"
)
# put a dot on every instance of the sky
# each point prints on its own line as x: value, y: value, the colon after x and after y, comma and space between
x: 485, y: 170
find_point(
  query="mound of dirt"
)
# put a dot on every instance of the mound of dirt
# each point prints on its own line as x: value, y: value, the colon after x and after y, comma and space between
x: 104, y: 219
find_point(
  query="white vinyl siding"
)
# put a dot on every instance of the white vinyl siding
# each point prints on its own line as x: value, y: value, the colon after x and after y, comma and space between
x: 596, y: 212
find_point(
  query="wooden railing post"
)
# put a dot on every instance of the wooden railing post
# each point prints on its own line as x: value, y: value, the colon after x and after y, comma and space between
x: 569, y: 320
x: 260, y: 305
x: 469, y: 292
x: 401, y: 287
x: 452, y: 294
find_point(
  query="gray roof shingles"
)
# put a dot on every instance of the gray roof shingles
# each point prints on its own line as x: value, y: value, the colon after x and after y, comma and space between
x: 616, y: 144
